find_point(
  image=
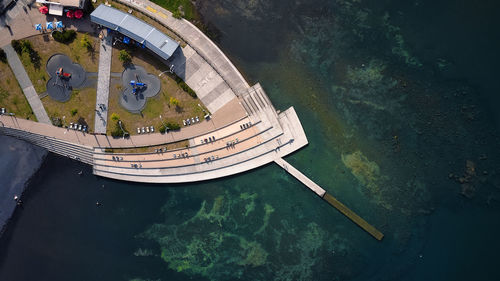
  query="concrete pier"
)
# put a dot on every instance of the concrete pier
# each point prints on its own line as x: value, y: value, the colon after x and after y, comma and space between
x: 330, y: 199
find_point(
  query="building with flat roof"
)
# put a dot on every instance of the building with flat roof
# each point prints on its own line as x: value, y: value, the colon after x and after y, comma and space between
x: 136, y: 29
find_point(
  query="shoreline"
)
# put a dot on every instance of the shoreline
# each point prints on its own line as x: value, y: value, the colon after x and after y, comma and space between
x: 16, y: 174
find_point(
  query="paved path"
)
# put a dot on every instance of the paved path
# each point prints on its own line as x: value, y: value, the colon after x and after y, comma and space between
x: 25, y: 82
x: 101, y: 107
x: 227, y: 115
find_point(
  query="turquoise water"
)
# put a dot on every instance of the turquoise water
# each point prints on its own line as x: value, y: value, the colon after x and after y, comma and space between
x: 398, y: 103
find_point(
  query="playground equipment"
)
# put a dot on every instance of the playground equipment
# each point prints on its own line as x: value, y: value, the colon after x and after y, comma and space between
x: 137, y: 85
x: 60, y: 73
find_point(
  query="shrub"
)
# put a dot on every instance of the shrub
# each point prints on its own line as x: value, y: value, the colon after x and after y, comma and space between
x: 124, y: 57
x: 174, y: 101
x: 74, y: 111
x: 117, y: 131
x: 56, y: 121
x: 173, y: 126
x: 115, y: 117
x: 163, y: 129
x: 177, y: 14
x: 3, y: 56
x: 16, y: 45
x: 65, y: 37
x: 185, y: 87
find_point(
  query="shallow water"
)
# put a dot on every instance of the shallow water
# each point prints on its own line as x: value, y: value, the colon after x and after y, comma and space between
x: 397, y: 101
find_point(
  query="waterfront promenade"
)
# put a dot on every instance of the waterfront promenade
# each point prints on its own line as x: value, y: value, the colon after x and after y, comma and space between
x: 244, y: 132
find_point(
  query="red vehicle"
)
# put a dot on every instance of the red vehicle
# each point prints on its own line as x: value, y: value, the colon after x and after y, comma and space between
x: 61, y: 73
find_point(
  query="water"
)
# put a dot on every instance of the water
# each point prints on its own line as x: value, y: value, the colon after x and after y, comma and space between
x: 398, y: 102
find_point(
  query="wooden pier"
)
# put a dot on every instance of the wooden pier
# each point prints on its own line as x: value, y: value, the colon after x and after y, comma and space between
x: 330, y: 199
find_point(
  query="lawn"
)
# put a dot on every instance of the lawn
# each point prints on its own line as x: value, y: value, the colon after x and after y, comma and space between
x: 80, y: 108
x: 45, y: 46
x: 11, y: 95
x: 186, y: 7
x: 156, y: 106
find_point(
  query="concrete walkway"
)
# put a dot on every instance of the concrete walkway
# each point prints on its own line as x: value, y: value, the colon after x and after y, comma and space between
x: 101, y: 106
x: 26, y: 85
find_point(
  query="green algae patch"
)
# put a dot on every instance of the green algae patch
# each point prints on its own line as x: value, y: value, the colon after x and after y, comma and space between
x: 367, y: 173
x: 268, y: 210
x: 368, y: 75
x: 223, y: 240
x: 249, y: 207
x: 254, y: 254
x: 399, y: 48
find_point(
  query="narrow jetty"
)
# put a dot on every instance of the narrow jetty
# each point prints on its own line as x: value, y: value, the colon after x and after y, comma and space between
x: 330, y: 199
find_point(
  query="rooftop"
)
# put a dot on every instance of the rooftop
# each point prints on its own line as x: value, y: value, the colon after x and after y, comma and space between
x: 130, y: 26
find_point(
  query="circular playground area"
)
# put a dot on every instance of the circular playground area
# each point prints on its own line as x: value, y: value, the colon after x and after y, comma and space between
x: 64, y: 76
x: 138, y: 85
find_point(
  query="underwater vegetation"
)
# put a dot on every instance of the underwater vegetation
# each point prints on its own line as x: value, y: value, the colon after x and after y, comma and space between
x: 230, y: 238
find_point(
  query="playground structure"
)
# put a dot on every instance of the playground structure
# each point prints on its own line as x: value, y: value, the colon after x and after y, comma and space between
x: 61, y: 74
x: 137, y: 85
x: 65, y: 75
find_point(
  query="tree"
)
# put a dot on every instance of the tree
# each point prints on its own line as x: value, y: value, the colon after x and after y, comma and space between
x: 124, y: 57
x: 115, y: 117
x: 74, y: 111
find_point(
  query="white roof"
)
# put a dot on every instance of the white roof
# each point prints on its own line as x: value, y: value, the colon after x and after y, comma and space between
x: 55, y: 9
x: 130, y: 26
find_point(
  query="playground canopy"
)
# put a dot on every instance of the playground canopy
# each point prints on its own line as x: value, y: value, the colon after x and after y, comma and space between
x: 59, y: 24
x: 38, y: 26
x: 43, y: 9
x: 78, y: 14
x: 50, y: 25
x: 136, y: 29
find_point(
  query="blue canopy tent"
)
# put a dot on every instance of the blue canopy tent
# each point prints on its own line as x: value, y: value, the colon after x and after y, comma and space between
x: 50, y: 25
x: 59, y: 24
x: 38, y: 26
x: 126, y: 40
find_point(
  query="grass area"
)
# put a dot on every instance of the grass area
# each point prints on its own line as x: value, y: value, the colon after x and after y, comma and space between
x: 80, y: 108
x: 158, y: 105
x: 146, y: 149
x: 45, y: 46
x: 144, y: 18
x: 11, y: 94
x: 185, y: 7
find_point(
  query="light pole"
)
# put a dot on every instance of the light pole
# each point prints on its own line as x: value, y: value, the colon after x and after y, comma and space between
x: 171, y: 70
x: 124, y: 133
x: 166, y: 128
